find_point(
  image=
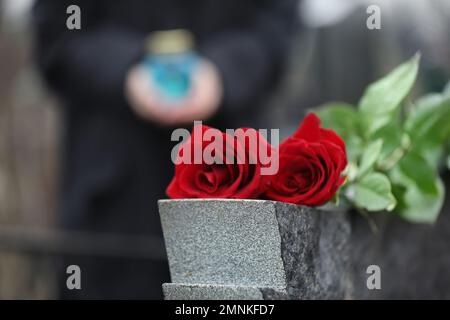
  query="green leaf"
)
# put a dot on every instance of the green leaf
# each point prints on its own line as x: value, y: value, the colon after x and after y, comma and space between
x: 448, y: 162
x: 384, y: 96
x: 420, y: 207
x: 399, y: 192
x: 387, y: 93
x: 423, y: 194
x: 419, y: 171
x: 373, y: 192
x: 391, y: 135
x: 341, y: 117
x: 373, y: 123
x: 369, y: 157
x: 428, y: 124
x: 428, y: 112
x: 344, y: 119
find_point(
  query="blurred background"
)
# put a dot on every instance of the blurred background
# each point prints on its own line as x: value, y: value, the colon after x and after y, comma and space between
x: 334, y: 56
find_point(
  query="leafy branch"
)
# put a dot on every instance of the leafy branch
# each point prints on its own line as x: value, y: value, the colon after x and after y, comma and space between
x: 395, y: 149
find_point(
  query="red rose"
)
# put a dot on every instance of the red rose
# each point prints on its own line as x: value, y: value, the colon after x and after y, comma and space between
x: 239, y: 180
x: 311, y: 163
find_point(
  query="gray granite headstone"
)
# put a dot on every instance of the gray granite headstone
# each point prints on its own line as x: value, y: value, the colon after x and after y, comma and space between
x: 254, y: 249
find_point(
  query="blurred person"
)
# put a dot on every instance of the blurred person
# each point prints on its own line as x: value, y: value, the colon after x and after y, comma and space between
x: 117, y: 128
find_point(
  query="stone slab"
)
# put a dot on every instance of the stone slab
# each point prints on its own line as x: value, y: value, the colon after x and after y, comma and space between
x: 223, y: 242
x: 257, y: 243
x: 176, y: 291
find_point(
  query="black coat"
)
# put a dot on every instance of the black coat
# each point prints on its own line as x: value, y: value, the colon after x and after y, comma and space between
x: 116, y: 165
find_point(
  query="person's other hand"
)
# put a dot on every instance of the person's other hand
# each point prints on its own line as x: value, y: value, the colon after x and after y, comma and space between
x: 201, y: 102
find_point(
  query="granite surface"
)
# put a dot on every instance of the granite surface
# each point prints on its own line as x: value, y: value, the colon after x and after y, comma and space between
x: 257, y: 243
x: 315, y: 252
x: 414, y: 259
x: 223, y: 242
x: 177, y: 291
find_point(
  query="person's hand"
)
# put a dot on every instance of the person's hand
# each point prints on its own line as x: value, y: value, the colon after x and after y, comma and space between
x: 201, y: 102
